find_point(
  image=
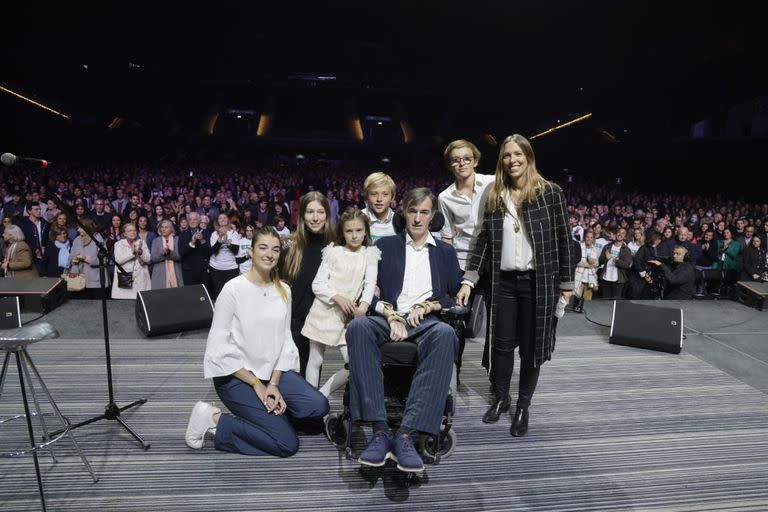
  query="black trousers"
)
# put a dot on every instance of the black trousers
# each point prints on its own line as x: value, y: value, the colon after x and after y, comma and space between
x: 219, y: 278
x: 611, y: 289
x: 515, y: 327
x: 302, y: 344
x: 195, y: 276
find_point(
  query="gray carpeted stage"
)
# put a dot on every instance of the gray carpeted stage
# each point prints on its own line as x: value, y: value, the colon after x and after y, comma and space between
x: 612, y: 428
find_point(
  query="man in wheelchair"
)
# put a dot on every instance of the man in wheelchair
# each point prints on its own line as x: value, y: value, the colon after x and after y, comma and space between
x: 418, y: 277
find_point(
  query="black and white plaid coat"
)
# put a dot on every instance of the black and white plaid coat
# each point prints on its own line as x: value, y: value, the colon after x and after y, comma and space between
x: 546, y: 221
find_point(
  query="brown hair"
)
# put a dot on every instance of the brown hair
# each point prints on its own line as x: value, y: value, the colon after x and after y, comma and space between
x: 300, y: 236
x: 531, y: 183
x: 274, y: 274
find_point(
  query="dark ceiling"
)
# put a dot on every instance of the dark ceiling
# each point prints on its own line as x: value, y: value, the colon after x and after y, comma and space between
x: 500, y: 66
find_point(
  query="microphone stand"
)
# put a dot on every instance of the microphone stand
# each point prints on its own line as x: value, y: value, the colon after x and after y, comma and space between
x: 112, y: 411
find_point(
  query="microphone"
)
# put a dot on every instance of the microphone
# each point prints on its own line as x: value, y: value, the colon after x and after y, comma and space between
x: 10, y: 160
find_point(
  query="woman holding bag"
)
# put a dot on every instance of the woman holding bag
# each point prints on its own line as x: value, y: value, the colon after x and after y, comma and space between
x: 132, y: 253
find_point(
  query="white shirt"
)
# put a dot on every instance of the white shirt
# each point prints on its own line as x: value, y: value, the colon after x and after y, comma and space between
x: 251, y: 329
x: 417, y: 279
x: 380, y: 228
x: 464, y: 215
x: 224, y: 259
x: 516, y: 248
x: 245, y: 244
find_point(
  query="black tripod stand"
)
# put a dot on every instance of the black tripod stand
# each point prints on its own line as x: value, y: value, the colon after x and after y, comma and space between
x: 112, y: 411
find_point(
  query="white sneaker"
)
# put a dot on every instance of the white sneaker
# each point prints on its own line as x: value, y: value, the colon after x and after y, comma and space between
x: 200, y: 421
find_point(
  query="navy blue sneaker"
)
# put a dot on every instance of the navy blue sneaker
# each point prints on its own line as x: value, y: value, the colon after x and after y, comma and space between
x: 378, y: 451
x: 406, y: 456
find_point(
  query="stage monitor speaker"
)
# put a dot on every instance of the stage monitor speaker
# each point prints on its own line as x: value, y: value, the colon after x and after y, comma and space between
x: 649, y: 327
x: 39, y: 294
x: 173, y: 310
x: 10, y: 313
x: 752, y: 294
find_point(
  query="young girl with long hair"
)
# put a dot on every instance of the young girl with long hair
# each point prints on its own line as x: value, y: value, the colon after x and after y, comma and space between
x: 347, y: 272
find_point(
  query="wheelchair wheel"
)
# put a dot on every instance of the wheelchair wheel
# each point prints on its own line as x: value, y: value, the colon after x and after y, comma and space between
x: 337, y: 430
x: 447, y: 445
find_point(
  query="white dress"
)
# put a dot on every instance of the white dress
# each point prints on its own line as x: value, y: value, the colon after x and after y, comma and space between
x: 350, y: 274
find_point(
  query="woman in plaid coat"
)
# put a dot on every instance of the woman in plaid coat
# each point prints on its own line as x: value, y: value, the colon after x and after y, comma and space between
x: 525, y: 244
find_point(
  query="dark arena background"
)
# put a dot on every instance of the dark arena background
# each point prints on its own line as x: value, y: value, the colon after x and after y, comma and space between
x: 660, y: 109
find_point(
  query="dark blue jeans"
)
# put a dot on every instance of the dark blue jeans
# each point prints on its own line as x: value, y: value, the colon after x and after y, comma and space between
x: 251, y: 430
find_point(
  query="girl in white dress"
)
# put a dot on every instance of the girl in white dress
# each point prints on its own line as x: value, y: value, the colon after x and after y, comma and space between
x: 347, y: 272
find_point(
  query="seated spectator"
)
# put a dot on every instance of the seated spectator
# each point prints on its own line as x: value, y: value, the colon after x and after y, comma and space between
x: 18, y: 261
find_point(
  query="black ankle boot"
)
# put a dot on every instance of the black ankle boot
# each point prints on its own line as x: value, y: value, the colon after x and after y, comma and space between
x: 499, y: 406
x: 519, y: 422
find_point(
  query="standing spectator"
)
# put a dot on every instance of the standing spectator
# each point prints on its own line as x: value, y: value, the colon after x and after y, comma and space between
x: 194, y: 249
x: 37, y: 232
x: 99, y: 215
x: 225, y: 244
x: 17, y: 261
x: 83, y: 259
x: 56, y: 256
x: 166, y: 258
x: 754, y: 261
x: 133, y: 255
x: 617, y: 259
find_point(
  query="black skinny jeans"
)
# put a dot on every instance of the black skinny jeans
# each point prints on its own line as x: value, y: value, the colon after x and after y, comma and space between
x: 515, y: 327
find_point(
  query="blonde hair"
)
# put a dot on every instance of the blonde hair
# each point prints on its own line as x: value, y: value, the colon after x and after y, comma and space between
x: 299, y: 239
x: 530, y: 184
x: 274, y: 274
x: 378, y: 179
x: 458, y: 144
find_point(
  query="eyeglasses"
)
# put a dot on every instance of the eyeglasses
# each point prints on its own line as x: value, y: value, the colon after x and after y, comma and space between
x: 461, y: 160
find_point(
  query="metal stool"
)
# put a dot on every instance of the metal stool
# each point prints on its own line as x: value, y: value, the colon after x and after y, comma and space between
x: 15, y: 341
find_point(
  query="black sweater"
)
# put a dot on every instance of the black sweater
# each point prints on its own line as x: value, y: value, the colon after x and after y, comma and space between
x: 301, y: 291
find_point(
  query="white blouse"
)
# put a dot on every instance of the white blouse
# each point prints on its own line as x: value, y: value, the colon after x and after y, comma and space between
x: 516, y: 248
x: 251, y: 329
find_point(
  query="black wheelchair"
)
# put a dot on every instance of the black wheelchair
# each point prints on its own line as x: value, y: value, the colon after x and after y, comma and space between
x: 399, y: 360
x: 398, y: 363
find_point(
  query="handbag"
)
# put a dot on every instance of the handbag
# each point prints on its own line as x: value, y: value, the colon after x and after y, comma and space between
x: 125, y: 279
x: 75, y: 282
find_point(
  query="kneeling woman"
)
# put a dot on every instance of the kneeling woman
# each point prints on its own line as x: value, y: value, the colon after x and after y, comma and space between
x: 254, y: 363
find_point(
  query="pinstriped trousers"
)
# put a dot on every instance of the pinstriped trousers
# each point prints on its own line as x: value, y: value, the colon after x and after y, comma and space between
x: 437, y: 346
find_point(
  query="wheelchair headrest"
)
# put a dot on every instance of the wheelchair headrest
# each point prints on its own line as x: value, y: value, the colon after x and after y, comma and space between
x: 435, y: 225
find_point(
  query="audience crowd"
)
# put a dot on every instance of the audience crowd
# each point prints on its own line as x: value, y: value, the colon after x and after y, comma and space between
x: 627, y: 238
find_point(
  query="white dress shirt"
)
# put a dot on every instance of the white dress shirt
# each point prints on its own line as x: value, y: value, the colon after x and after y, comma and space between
x: 251, y: 329
x: 464, y: 215
x: 417, y: 278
